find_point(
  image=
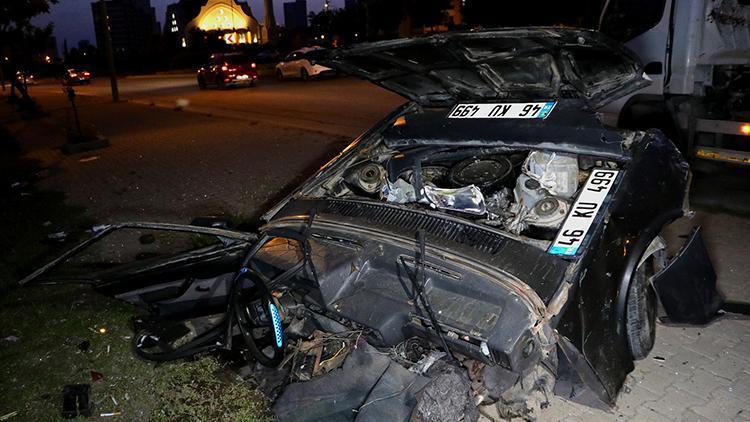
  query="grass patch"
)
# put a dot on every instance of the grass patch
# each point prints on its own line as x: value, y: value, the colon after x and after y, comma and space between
x: 51, y: 323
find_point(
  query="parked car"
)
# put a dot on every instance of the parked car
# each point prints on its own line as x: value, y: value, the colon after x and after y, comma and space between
x: 304, y: 64
x: 74, y: 76
x: 226, y: 70
x: 486, y: 244
x: 25, y: 77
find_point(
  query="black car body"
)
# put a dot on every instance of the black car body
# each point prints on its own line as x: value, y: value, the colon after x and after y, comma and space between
x: 455, y: 229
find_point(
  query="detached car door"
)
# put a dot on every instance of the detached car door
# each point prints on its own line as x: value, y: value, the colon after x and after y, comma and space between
x: 175, y: 268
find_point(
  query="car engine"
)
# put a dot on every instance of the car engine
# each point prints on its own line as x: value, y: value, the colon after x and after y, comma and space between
x: 526, y: 193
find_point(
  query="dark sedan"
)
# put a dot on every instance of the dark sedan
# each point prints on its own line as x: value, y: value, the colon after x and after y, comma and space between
x: 227, y: 70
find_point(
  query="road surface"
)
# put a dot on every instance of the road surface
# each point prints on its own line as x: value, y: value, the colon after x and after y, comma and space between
x: 339, y: 106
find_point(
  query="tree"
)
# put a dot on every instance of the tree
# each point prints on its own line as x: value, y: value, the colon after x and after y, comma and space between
x: 20, y: 40
x: 493, y: 13
x: 378, y: 18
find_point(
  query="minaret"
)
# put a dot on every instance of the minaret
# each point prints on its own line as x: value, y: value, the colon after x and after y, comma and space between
x: 270, y: 21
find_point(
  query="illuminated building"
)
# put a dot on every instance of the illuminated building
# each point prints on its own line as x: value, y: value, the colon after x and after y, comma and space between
x: 232, y: 20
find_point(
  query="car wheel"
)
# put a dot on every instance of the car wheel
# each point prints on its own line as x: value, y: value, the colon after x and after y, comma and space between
x: 304, y: 75
x: 201, y: 83
x: 640, y: 314
x: 279, y: 75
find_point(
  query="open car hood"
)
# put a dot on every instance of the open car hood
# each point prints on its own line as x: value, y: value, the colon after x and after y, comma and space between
x: 505, y: 64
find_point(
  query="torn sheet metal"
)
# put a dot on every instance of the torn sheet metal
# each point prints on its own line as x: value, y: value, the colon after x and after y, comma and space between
x: 687, y: 286
x: 369, y: 387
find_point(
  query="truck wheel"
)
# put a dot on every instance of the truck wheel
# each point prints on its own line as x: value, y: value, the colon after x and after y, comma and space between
x: 640, y: 314
x: 279, y: 75
x: 304, y: 75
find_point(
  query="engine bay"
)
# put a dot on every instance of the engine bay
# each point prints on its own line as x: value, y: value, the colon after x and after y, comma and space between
x: 526, y: 193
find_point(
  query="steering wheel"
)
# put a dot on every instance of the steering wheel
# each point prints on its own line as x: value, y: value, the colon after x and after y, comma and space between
x: 259, y: 321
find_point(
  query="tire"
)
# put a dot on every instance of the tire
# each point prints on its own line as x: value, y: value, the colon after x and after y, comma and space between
x: 279, y: 75
x: 201, y: 83
x: 304, y: 75
x: 640, y: 314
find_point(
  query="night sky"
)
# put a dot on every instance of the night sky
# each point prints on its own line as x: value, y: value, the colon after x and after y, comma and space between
x: 73, y: 21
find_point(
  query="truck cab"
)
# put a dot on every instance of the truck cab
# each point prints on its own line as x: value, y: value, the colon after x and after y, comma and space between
x: 697, y: 54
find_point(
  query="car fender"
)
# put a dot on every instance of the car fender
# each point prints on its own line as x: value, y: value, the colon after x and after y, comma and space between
x: 687, y: 285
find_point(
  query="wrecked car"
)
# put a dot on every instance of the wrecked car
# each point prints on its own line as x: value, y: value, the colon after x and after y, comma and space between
x: 487, y: 244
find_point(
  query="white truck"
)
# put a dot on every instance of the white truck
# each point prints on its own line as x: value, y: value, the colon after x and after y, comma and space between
x: 697, y: 52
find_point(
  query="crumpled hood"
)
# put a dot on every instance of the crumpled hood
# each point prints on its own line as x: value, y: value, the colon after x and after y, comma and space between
x: 505, y: 64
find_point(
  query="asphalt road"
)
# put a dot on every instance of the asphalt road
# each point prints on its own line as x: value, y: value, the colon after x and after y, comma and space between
x: 338, y: 106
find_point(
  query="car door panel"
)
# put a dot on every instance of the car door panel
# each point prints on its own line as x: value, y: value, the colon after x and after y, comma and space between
x: 151, y: 264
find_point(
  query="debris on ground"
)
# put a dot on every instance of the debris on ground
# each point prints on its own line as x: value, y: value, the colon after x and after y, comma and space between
x: 60, y: 236
x: 76, y: 401
x: 96, y: 376
x: 7, y: 416
x: 104, y: 415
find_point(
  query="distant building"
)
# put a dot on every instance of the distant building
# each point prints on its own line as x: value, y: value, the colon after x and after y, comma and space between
x: 232, y: 19
x: 133, y: 27
x: 295, y: 14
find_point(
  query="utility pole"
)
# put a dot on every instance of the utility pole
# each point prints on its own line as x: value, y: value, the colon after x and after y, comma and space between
x: 104, y: 17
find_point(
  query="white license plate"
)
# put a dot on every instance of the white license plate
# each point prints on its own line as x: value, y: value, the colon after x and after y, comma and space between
x: 502, y: 110
x: 582, y: 214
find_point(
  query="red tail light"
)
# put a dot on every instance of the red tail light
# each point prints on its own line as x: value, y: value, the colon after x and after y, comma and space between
x: 86, y: 74
x: 224, y: 67
x: 252, y: 65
